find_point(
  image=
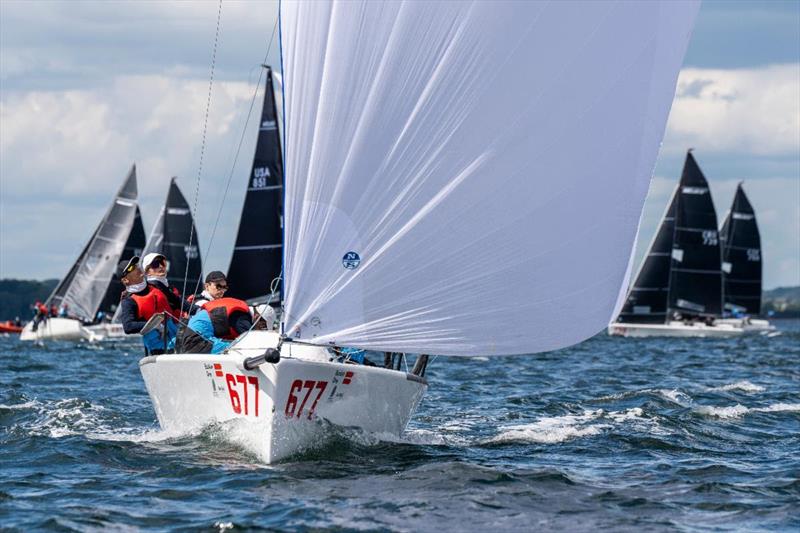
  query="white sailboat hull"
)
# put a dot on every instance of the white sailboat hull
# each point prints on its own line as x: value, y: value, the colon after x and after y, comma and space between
x: 749, y: 325
x: 107, y: 332
x: 56, y: 328
x: 282, y: 408
x: 674, y: 329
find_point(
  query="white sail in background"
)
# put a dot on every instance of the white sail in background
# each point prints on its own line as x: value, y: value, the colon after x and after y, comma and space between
x: 467, y: 177
x: 85, y: 286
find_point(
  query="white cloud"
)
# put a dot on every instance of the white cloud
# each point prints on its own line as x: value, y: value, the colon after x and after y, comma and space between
x: 63, y: 154
x: 754, y: 110
x: 90, y: 87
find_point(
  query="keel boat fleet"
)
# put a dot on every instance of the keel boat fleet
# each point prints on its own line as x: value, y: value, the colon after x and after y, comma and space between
x: 696, y: 281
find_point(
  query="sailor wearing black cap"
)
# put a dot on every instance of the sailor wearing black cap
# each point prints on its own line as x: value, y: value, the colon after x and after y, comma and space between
x: 139, y: 303
x: 215, y: 287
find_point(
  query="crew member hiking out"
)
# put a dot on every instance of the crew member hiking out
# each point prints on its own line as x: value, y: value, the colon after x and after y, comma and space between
x: 215, y: 325
x: 139, y: 303
x: 155, y: 268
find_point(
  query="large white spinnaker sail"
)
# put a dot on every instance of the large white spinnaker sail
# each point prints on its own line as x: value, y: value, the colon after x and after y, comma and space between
x: 467, y: 177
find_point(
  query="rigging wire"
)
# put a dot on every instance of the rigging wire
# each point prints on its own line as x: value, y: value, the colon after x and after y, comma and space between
x: 238, y: 150
x: 203, y: 147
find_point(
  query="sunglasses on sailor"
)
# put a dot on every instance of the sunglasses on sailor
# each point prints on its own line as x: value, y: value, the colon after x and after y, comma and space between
x: 158, y: 262
x: 221, y: 286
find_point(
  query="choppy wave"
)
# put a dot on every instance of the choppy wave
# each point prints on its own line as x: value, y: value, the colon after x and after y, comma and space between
x: 76, y: 416
x: 739, y: 410
x: 743, y: 386
x: 613, y: 434
x: 551, y: 430
x: 671, y: 395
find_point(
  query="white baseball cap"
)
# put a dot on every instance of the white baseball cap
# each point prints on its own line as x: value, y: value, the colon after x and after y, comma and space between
x: 266, y: 312
x: 149, y: 258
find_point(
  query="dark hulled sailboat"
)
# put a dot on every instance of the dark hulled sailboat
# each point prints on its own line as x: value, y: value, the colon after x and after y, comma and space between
x: 257, y: 254
x: 741, y: 257
x: 171, y: 236
x: 680, y: 276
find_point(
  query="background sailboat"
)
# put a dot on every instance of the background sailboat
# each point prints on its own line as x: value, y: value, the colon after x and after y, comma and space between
x: 133, y: 246
x: 678, y: 290
x: 258, y: 252
x: 86, y: 287
x: 742, y: 264
x: 170, y: 237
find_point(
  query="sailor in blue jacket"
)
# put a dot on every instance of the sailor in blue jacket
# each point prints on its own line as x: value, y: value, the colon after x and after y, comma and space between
x: 215, y: 325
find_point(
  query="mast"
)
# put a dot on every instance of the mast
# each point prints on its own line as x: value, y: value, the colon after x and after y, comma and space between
x: 170, y: 237
x: 257, y: 254
x: 741, y: 257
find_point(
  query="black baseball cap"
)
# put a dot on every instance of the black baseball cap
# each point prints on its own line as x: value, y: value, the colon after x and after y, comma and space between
x: 126, y: 267
x: 215, y: 275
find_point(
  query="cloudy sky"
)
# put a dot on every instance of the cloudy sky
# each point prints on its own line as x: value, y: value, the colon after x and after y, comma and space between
x: 88, y: 88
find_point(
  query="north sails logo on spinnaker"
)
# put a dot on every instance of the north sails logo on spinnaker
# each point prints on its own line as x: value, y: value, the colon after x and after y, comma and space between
x: 351, y: 260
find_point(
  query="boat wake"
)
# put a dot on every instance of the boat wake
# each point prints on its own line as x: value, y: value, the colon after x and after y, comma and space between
x: 78, y: 417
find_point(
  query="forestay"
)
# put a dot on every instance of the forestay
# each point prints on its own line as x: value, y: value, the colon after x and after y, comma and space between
x: 468, y: 178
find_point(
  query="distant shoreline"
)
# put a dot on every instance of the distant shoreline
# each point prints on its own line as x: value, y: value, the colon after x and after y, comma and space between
x: 17, y: 295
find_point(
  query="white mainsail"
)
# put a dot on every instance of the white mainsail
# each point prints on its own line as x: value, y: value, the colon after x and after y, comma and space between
x: 467, y: 177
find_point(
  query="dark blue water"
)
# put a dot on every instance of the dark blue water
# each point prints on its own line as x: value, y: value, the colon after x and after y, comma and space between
x: 623, y: 434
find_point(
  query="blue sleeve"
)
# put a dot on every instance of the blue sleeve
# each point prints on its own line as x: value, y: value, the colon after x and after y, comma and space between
x: 219, y: 345
x: 201, y: 324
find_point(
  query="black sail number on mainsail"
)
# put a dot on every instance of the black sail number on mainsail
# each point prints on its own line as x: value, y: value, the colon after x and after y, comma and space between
x: 695, y: 274
x: 741, y: 257
x: 257, y: 254
x: 681, y: 273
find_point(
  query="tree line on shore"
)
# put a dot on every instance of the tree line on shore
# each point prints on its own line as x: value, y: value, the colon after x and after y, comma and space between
x: 17, y: 295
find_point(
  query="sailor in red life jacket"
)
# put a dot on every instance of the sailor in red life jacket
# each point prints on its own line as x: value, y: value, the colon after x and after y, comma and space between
x: 215, y: 325
x: 40, y: 314
x: 155, y: 268
x: 215, y: 287
x: 140, y: 302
